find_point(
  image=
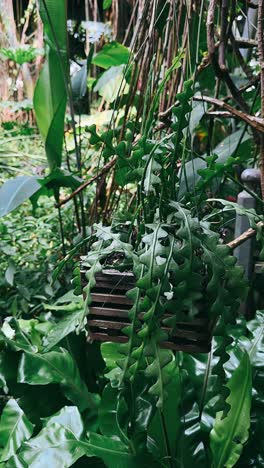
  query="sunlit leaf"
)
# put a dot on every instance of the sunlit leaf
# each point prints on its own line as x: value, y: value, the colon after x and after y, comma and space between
x: 112, y: 83
x: 68, y: 417
x: 15, y: 428
x: 112, y: 55
x: 54, y: 446
x: 15, y: 191
x: 50, y: 93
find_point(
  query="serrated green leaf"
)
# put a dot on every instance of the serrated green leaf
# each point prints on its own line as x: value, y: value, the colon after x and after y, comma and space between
x: 230, y: 433
x: 190, y: 175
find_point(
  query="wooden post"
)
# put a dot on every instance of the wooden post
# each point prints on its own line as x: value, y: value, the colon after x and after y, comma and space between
x: 244, y: 252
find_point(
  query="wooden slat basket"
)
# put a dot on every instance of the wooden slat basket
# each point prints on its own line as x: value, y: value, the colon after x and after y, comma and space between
x: 108, y: 315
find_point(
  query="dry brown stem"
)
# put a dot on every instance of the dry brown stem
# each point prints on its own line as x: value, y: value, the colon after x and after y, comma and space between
x: 105, y: 169
x: 256, y: 123
x: 245, y: 236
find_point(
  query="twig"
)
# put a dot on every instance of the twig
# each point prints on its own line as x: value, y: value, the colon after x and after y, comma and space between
x: 105, y: 169
x: 245, y: 236
x: 224, y: 114
x: 245, y: 43
x: 255, y: 122
x: 254, y: 81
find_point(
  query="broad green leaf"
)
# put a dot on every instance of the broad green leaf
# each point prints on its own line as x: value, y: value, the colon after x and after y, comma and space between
x: 79, y: 82
x: 54, y: 447
x: 10, y: 273
x: 56, y: 179
x: 253, y: 344
x: 171, y: 415
x: 58, y: 447
x: 14, y: 462
x: 8, y: 369
x: 256, y: 351
x: 190, y: 448
x: 112, y: 54
x: 62, y: 328
x: 50, y: 93
x: 68, y: 417
x: 15, y: 428
x: 15, y: 337
x: 40, y: 401
x: 60, y: 178
x: 107, y: 4
x: 15, y: 191
x: 50, y: 112
x: 229, y: 434
x: 56, y: 367
x: 80, y: 79
x: 115, y: 454
x: 107, y: 415
x: 8, y: 331
x: 111, y: 354
x: 112, y: 84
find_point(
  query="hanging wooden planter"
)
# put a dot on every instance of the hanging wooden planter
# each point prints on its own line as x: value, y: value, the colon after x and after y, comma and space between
x: 108, y: 315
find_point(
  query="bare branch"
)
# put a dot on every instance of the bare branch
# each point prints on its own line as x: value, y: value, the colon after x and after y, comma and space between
x: 245, y: 236
x: 245, y: 43
x: 105, y: 169
x: 256, y: 123
x: 220, y: 114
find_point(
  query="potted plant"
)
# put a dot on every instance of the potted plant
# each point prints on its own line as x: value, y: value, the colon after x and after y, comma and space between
x: 162, y: 282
